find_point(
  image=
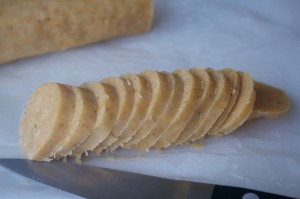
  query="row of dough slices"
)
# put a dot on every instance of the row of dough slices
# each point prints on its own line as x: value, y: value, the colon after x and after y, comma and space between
x: 140, y: 111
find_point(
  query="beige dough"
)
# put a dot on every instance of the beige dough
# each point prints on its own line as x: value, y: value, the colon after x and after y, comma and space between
x: 35, y: 27
x: 270, y: 102
x: 81, y: 123
x: 107, y: 101
x: 148, y: 110
x: 216, y: 108
x: 167, y: 116
x: 46, y: 119
x: 142, y: 98
x: 234, y: 79
x: 204, y: 103
x: 242, y: 108
x: 192, y: 91
x: 126, y: 97
x: 161, y: 89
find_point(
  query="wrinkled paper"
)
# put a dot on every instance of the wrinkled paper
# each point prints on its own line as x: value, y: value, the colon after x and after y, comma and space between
x: 259, y: 37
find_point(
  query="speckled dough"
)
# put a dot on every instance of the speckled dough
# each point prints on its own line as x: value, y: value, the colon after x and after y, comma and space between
x: 217, y: 107
x: 126, y: 100
x: 81, y: 124
x: 34, y: 27
x: 148, y: 110
x: 167, y: 116
x: 142, y: 98
x: 243, y: 107
x: 203, y: 102
x: 234, y: 79
x: 108, y: 102
x: 192, y: 92
x: 46, y: 119
x: 161, y: 90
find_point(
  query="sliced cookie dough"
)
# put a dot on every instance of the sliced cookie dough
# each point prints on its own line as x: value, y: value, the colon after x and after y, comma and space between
x: 160, y: 87
x: 216, y: 108
x: 45, y: 120
x: 167, y: 116
x: 81, y: 123
x: 234, y: 79
x: 192, y: 92
x: 126, y: 97
x: 201, y: 110
x: 108, y: 104
x: 242, y: 108
x: 148, y: 110
x: 142, y: 98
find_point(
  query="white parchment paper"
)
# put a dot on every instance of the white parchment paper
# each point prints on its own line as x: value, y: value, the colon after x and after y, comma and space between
x: 259, y: 37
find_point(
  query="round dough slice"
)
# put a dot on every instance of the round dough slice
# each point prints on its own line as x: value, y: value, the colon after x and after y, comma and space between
x: 242, y: 108
x: 167, y: 116
x: 108, y: 102
x: 269, y: 102
x: 142, y: 98
x: 204, y: 103
x: 192, y: 91
x: 216, y: 108
x: 160, y: 87
x: 126, y: 97
x: 234, y: 79
x: 81, y: 124
x: 46, y: 119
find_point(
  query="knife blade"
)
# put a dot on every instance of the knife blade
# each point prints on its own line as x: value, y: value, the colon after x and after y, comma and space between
x: 95, y: 182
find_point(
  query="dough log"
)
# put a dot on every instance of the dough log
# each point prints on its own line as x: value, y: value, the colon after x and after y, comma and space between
x: 34, y: 27
x: 141, y: 111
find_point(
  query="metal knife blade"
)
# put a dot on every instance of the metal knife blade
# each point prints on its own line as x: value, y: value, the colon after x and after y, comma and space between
x: 95, y: 182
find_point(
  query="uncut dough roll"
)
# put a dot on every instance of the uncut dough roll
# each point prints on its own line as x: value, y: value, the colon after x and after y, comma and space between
x: 36, y: 27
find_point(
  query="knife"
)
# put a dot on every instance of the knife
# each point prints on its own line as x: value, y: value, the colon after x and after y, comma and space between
x: 95, y: 182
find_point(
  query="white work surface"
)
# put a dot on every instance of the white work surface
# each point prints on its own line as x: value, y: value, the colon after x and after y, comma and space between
x: 259, y: 37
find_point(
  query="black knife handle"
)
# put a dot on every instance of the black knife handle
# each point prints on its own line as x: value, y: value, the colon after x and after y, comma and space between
x: 228, y: 192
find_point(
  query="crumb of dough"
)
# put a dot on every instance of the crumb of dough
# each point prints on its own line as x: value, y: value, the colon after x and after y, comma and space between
x: 197, y: 145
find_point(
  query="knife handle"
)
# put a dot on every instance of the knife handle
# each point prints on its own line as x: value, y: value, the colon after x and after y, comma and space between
x: 228, y: 192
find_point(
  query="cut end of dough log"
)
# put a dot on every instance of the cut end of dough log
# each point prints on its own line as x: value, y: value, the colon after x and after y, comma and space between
x: 45, y: 119
x: 148, y: 110
x: 270, y: 102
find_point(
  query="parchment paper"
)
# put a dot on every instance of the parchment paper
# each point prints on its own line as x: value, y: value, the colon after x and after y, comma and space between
x: 259, y: 37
